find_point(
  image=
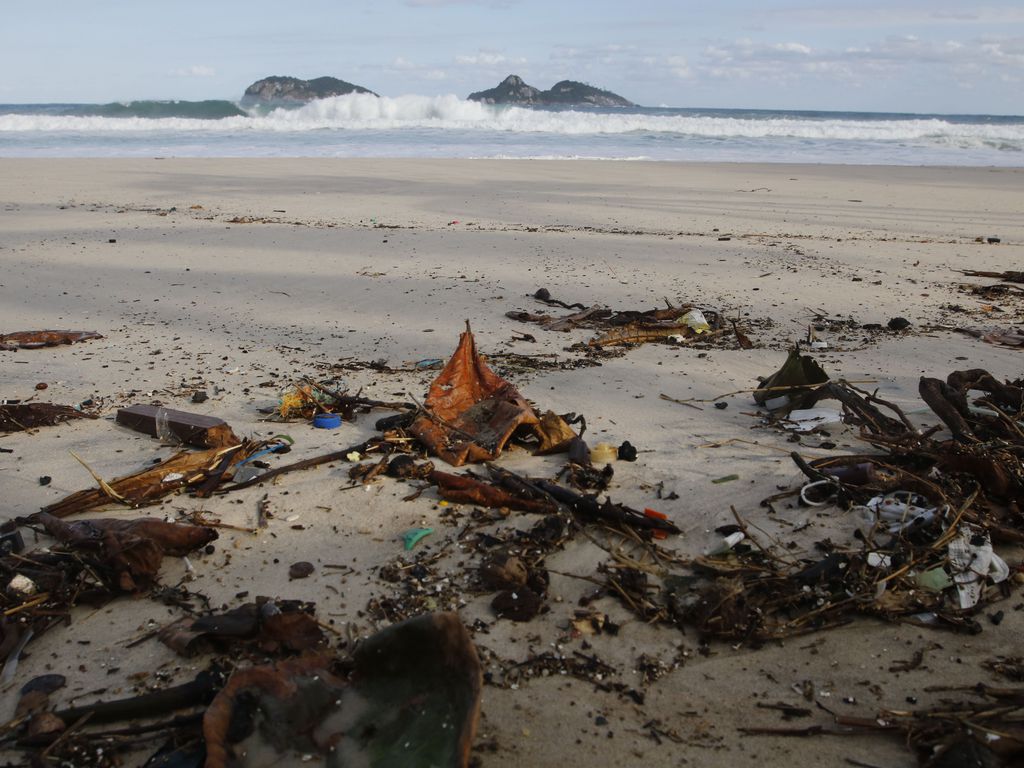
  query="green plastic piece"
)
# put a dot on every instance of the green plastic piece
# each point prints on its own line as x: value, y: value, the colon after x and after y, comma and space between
x: 726, y: 479
x: 935, y: 579
x: 413, y: 535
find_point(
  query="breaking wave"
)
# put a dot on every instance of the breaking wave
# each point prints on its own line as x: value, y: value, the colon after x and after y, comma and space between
x: 362, y: 125
x: 197, y: 110
x: 362, y: 112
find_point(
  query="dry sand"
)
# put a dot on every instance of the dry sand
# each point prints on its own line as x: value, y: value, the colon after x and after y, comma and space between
x: 237, y: 276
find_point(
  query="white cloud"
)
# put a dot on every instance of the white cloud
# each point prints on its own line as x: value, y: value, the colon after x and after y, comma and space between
x: 445, y: 3
x: 955, y: 61
x: 792, y: 48
x: 412, y: 69
x: 860, y: 15
x: 196, y: 70
x: 679, y: 67
x: 488, y: 59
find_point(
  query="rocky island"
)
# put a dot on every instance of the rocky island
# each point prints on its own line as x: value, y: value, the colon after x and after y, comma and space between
x: 513, y: 90
x: 292, y: 90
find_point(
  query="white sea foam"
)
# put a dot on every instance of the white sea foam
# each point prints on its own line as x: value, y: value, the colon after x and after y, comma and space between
x: 447, y: 126
x: 361, y: 112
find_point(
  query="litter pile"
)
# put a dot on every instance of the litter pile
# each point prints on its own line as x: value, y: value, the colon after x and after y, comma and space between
x: 926, y: 511
x: 408, y: 695
x: 676, y: 325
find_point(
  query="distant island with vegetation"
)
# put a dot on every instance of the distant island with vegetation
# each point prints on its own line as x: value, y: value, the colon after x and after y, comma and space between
x: 512, y: 90
x: 288, y: 91
x: 292, y: 90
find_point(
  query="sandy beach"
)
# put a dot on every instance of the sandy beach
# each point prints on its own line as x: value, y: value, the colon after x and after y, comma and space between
x: 240, y: 277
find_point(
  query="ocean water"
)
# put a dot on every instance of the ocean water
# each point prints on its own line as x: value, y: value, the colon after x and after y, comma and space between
x: 360, y: 125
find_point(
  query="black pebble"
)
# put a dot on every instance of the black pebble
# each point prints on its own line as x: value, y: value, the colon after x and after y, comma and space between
x: 45, y: 480
x: 627, y: 452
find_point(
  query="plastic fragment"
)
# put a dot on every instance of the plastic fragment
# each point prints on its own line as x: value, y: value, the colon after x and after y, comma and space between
x: 413, y: 536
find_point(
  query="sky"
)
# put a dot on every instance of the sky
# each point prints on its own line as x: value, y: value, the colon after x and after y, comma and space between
x: 895, y: 56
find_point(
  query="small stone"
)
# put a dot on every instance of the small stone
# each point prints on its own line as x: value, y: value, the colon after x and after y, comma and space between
x: 44, y: 683
x: 300, y: 570
x: 520, y: 604
x: 504, y: 572
x: 45, y: 480
x: 200, y: 396
x: 627, y: 452
x: 42, y: 385
x: 899, y: 324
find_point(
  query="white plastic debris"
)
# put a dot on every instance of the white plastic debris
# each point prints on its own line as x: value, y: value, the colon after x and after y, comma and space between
x: 696, y: 321
x: 727, y: 543
x: 21, y: 586
x: 807, y: 419
x: 972, y: 562
x: 901, y: 510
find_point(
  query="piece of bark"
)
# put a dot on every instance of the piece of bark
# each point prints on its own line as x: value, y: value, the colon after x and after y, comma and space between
x: 555, y: 434
x: 22, y: 416
x: 272, y: 626
x: 463, y: 489
x: 38, y: 339
x: 181, y: 470
x: 128, y: 553
x: 470, y: 411
x: 188, y: 428
x: 946, y: 403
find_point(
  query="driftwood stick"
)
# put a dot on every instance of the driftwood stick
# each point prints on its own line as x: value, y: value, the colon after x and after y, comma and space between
x: 198, y: 692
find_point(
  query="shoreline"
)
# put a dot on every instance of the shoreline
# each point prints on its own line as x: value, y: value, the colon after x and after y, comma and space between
x: 238, y: 276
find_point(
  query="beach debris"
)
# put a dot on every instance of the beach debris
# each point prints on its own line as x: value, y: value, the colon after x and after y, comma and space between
x: 306, y: 399
x: 626, y: 451
x: 588, y: 508
x: 603, y: 453
x: 327, y: 420
x: 463, y: 489
x: 126, y: 554
x: 412, y: 698
x: 810, y: 419
x: 673, y: 324
x: 984, y: 731
x: 414, y: 536
x: 470, y: 413
x: 19, y: 417
x: 300, y: 570
x: 39, y: 339
x: 1005, y: 337
x: 10, y: 538
x: 200, y: 472
x: 794, y: 385
x: 1007, y: 276
x: 271, y: 626
x: 519, y: 604
x: 174, y: 426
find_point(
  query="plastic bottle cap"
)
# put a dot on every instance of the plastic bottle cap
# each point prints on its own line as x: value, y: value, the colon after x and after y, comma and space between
x: 327, y: 421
